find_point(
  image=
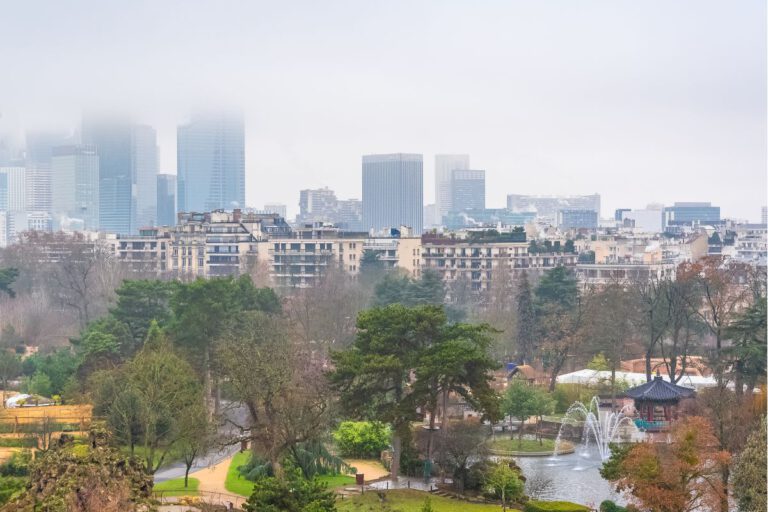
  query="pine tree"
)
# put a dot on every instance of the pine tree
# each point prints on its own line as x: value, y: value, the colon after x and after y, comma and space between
x: 526, y: 321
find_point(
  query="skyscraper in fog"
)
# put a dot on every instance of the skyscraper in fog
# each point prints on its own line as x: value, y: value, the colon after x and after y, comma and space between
x: 467, y: 190
x: 393, y: 194
x: 75, y: 187
x: 13, y: 189
x: 211, y: 162
x: 112, y: 137
x: 144, y: 161
x: 38, y: 163
x: 166, y: 199
x: 444, y: 167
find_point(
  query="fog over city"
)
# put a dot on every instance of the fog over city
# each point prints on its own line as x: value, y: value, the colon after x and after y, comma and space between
x: 650, y: 101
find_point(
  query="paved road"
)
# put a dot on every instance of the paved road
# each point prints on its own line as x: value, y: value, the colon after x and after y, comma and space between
x: 216, y: 455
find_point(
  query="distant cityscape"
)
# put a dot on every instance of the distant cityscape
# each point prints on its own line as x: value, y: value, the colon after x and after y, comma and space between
x: 105, y: 183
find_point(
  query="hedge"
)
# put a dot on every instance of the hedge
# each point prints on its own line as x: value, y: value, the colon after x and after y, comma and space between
x: 554, y: 506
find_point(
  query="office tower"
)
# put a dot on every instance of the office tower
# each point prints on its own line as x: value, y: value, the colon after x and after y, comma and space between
x: 618, y: 214
x: 211, y: 162
x: 764, y: 215
x: 166, y: 199
x: 112, y: 138
x: 317, y: 205
x: 430, y: 216
x: 13, y: 190
x: 577, y: 219
x: 144, y: 160
x: 444, y: 166
x: 649, y: 220
x: 75, y: 187
x: 38, y: 163
x: 467, y: 190
x: 689, y: 213
x: 280, y: 209
x: 393, y: 193
x: 349, y: 215
x: 546, y: 207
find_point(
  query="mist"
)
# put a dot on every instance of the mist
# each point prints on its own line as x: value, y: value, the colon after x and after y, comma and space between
x: 642, y: 102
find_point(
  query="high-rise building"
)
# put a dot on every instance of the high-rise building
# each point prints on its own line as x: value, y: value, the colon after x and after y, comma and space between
x: 444, y: 166
x: 166, y: 199
x: 546, y: 207
x: 280, y: 209
x: 38, y: 163
x: 764, y: 215
x: 393, y: 191
x: 144, y: 159
x: 618, y: 214
x: 690, y: 213
x: 112, y: 138
x: 317, y: 205
x: 467, y: 190
x: 13, y: 189
x: 349, y: 215
x: 577, y: 219
x: 75, y: 180
x: 211, y: 162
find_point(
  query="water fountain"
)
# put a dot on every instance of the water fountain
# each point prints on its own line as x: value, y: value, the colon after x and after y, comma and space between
x: 604, y: 431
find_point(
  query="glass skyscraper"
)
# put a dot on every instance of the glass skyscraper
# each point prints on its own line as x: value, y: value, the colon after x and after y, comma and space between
x: 467, y: 190
x: 166, y: 200
x: 75, y: 187
x: 211, y: 162
x: 112, y: 137
x: 393, y: 194
x: 444, y: 167
x: 145, y: 161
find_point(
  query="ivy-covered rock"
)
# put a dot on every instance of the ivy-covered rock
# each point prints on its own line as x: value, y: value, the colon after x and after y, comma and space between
x: 89, y: 477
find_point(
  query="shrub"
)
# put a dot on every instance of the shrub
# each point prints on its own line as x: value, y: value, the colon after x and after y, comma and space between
x: 10, y: 486
x: 16, y: 465
x: 554, y: 506
x: 609, y: 506
x: 292, y: 494
x: 362, y: 439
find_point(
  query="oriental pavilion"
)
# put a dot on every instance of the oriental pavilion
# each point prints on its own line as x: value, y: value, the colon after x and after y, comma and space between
x: 656, y: 403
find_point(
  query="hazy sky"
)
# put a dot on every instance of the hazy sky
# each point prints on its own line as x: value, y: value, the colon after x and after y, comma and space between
x: 639, y: 100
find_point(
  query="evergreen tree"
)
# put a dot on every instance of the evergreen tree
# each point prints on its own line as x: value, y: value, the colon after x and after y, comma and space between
x: 526, y: 321
x: 749, y: 475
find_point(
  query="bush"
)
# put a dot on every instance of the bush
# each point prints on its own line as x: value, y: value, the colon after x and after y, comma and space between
x: 10, y: 486
x: 554, y: 506
x: 292, y: 494
x: 609, y: 506
x: 16, y: 465
x: 362, y: 439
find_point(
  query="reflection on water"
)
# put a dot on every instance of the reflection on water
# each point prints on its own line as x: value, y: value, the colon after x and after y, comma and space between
x: 574, y: 477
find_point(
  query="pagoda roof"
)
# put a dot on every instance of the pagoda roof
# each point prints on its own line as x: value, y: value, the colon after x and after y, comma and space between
x: 659, y: 390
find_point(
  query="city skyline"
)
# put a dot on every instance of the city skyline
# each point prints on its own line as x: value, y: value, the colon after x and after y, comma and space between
x: 550, y: 99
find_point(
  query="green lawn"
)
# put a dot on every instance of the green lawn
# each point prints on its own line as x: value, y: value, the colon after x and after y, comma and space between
x: 404, y: 500
x: 175, y: 487
x: 528, y: 445
x: 237, y: 484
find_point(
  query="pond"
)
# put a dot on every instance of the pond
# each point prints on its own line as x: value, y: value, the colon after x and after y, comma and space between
x: 574, y: 477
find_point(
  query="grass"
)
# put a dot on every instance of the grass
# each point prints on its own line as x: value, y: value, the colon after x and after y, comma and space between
x: 175, y: 487
x: 405, y: 500
x: 528, y: 445
x: 237, y: 484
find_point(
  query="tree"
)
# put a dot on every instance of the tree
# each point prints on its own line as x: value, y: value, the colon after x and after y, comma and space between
x: 464, y: 443
x: 608, y: 327
x: 652, y: 318
x: 203, y: 308
x: 505, y: 483
x: 401, y: 289
x: 7, y: 277
x: 681, y: 476
x: 278, y: 382
x: 682, y: 326
x: 141, y: 301
x: 292, y: 494
x: 145, y: 400
x: 195, y: 435
x: 559, y: 318
x: 373, y: 376
x: 520, y: 402
x: 749, y: 473
x: 10, y: 368
x: 372, y: 268
x: 526, y: 321
x: 748, y: 349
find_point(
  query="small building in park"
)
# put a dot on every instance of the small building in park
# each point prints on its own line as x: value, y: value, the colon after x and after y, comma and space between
x: 656, y: 403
